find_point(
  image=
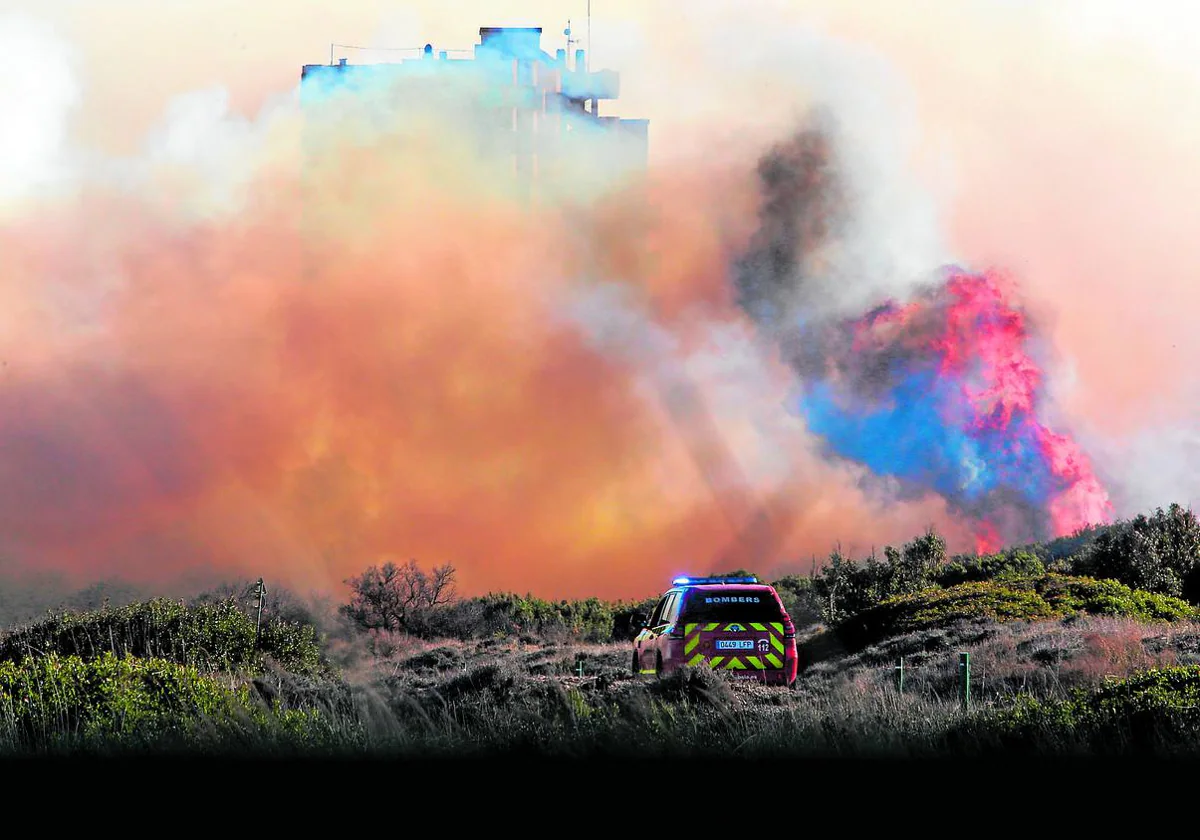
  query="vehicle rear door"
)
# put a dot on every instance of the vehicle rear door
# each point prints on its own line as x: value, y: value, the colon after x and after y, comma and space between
x: 732, y: 635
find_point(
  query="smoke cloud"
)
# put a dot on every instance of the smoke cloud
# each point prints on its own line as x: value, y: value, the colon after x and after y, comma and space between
x: 300, y: 338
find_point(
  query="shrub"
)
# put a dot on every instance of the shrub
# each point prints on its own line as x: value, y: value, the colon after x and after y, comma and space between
x: 935, y: 607
x: 1002, y: 565
x: 799, y: 598
x: 508, y: 614
x: 1154, y: 710
x: 1158, y: 553
x: 399, y: 598
x: 121, y: 704
x: 46, y: 699
x: 208, y: 636
x: 845, y: 588
x: 1011, y: 599
x: 1108, y: 597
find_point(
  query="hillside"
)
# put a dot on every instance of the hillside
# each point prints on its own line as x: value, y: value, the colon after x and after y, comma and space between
x: 1060, y: 662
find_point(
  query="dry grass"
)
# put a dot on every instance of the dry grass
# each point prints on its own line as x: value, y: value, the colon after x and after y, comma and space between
x: 412, y: 697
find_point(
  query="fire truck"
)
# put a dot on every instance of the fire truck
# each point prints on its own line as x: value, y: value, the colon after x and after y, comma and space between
x: 737, y: 625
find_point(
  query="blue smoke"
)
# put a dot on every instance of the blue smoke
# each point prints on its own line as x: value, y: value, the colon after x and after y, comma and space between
x: 906, y: 435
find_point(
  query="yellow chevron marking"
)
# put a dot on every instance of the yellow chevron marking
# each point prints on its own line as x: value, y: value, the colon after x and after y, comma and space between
x: 697, y: 659
x: 756, y: 662
x: 716, y: 660
x: 758, y: 626
x: 777, y: 627
x: 775, y: 643
x: 688, y: 628
x: 774, y: 660
x: 710, y: 627
x: 691, y: 643
x: 729, y: 628
x: 735, y: 664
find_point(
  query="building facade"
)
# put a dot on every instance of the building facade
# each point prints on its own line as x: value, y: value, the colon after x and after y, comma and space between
x: 542, y: 111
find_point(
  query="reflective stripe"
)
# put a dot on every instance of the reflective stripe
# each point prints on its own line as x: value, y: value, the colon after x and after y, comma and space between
x: 644, y: 671
x: 760, y: 661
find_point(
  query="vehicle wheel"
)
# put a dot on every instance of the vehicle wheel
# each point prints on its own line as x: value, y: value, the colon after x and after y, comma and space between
x: 637, y: 666
x: 658, y: 665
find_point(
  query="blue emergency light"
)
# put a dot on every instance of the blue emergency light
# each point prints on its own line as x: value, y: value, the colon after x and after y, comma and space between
x: 696, y: 581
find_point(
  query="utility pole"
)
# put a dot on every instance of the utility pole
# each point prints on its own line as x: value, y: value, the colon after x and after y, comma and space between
x: 260, y: 594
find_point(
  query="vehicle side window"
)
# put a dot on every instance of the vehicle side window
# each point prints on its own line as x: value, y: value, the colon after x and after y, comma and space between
x: 668, y: 606
x: 671, y: 614
x: 656, y: 616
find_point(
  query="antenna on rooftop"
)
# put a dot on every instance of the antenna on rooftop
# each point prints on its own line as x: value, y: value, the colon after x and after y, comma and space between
x: 570, y: 40
x: 587, y: 61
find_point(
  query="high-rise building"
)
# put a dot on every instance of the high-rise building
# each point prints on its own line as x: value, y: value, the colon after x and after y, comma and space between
x: 542, y: 110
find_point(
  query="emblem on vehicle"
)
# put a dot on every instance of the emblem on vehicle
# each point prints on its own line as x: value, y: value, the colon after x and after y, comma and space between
x: 763, y: 645
x: 735, y: 628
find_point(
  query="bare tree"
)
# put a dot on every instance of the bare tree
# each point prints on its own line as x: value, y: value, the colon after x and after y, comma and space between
x: 392, y: 597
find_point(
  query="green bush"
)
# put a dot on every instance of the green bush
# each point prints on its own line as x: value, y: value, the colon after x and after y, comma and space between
x: 1157, y: 553
x: 799, y: 598
x: 1002, y: 565
x: 216, y: 636
x: 936, y: 607
x: 1108, y: 597
x: 125, y: 703
x: 845, y: 588
x: 48, y: 698
x: 508, y: 614
x: 1008, y: 599
x: 1156, y: 710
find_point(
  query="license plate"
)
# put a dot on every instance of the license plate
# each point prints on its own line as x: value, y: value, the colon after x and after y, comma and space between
x: 735, y: 644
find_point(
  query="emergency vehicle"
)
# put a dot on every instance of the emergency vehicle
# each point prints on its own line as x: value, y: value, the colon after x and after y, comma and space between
x: 736, y: 625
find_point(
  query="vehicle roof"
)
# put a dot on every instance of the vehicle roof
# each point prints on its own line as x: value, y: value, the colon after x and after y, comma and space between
x: 716, y: 587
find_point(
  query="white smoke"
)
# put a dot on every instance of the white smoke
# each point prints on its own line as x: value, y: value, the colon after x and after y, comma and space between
x: 38, y: 90
x: 719, y: 392
x: 890, y: 236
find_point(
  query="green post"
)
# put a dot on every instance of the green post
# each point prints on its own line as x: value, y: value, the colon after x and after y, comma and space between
x: 260, y: 593
x: 964, y: 678
x: 900, y: 676
x: 579, y: 668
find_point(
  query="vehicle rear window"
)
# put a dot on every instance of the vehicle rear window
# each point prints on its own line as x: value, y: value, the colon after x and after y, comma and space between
x: 731, y: 606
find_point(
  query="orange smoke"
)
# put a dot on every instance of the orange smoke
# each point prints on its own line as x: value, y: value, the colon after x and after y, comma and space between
x: 374, y: 350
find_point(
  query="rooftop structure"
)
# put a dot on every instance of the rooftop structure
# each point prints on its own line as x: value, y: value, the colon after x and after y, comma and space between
x: 550, y: 104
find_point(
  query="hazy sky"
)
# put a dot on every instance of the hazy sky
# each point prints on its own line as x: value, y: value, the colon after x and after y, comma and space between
x: 1054, y: 140
x: 1064, y: 131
